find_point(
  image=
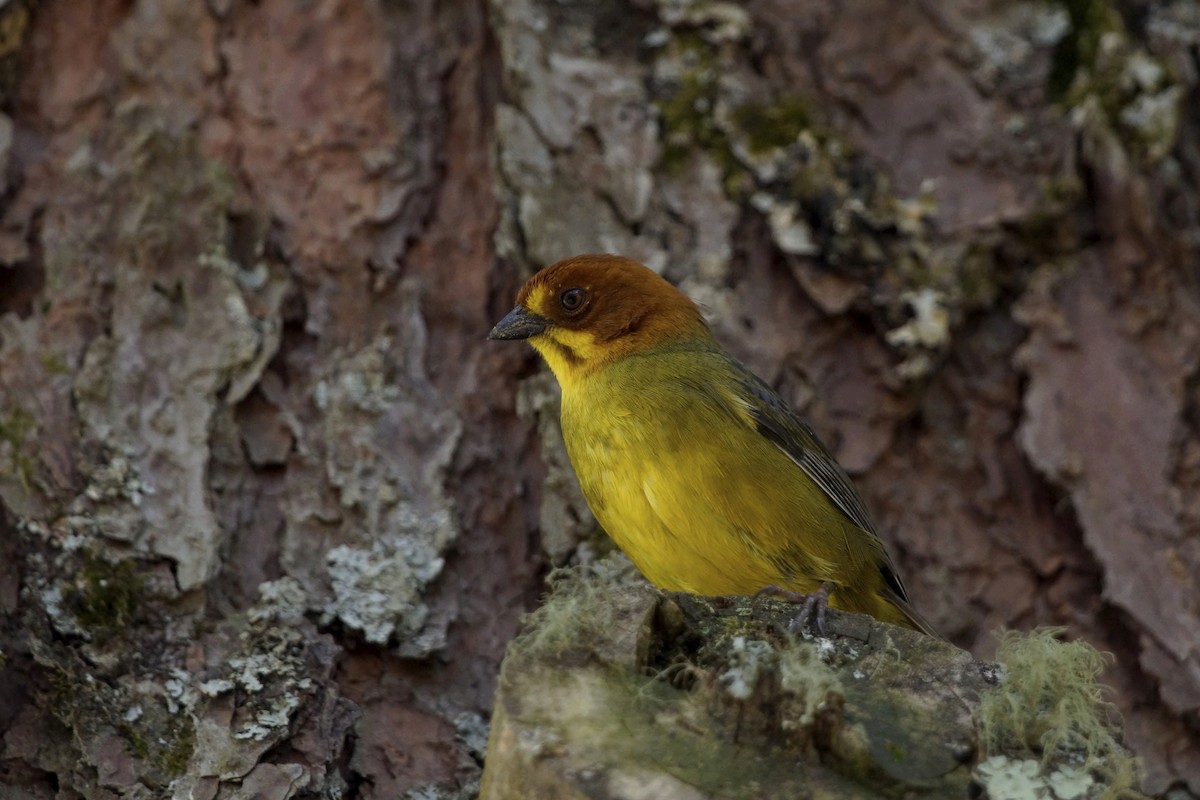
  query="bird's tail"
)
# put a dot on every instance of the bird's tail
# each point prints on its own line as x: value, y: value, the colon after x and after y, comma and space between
x: 911, y: 619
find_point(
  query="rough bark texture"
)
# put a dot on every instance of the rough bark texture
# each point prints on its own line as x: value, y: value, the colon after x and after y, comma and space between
x: 270, y: 506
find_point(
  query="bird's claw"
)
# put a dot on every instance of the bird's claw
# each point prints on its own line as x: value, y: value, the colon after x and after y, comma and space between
x: 816, y: 602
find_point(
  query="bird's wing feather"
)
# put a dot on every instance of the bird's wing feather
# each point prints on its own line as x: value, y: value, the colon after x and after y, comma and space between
x: 754, y: 404
x: 776, y: 421
x: 757, y: 405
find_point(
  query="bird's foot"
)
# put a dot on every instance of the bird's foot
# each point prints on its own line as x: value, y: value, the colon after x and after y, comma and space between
x: 680, y: 675
x: 816, y: 602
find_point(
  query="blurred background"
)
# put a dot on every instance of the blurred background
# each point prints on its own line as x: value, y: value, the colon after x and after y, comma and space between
x: 270, y: 504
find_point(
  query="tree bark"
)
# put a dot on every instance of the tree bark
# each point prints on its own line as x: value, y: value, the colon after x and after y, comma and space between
x: 271, y: 507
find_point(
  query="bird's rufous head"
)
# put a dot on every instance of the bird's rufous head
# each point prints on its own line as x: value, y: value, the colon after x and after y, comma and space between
x: 586, y: 311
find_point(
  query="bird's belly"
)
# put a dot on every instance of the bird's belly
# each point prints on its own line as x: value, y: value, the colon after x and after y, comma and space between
x: 648, y: 495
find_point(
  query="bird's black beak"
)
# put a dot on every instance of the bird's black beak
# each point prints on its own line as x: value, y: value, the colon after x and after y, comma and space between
x: 520, y: 323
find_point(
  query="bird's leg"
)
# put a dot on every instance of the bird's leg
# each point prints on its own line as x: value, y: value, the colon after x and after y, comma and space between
x: 816, y: 601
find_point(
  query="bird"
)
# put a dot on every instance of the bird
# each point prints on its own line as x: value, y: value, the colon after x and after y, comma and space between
x: 696, y: 468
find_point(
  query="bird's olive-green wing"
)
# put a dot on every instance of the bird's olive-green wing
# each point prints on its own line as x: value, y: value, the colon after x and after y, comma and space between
x: 774, y: 419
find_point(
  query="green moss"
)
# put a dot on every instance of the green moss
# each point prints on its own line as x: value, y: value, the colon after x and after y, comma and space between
x: 54, y: 364
x: 1064, y: 190
x: 578, y: 608
x: 1089, y: 21
x: 16, y: 17
x: 1051, y: 704
x: 689, y: 126
x: 173, y: 760
x: 687, y: 103
x: 14, y: 25
x: 977, y: 277
x: 15, y: 428
x: 105, y: 597
x: 772, y: 126
x: 164, y: 742
x: 1098, y: 65
x: 686, y: 107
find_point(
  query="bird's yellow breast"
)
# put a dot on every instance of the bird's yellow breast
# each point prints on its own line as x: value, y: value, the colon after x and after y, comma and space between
x: 696, y: 497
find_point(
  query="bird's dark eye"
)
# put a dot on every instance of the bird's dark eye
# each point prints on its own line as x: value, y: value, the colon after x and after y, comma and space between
x: 572, y: 300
